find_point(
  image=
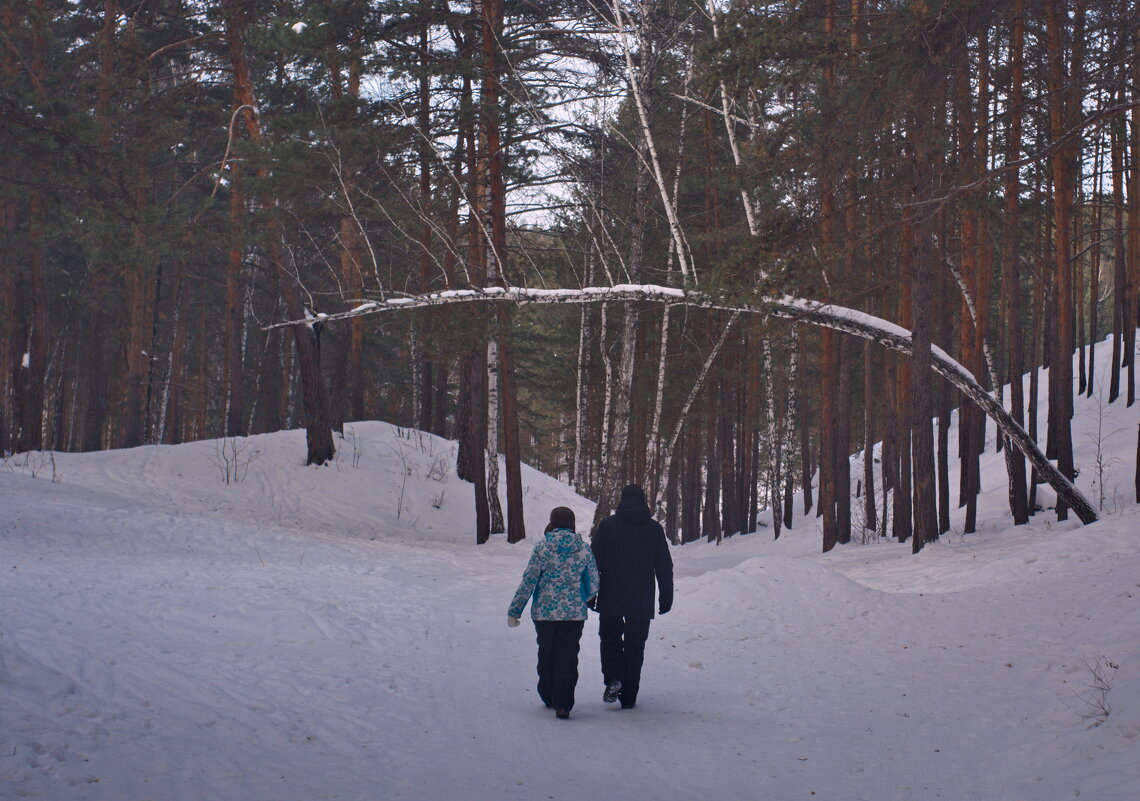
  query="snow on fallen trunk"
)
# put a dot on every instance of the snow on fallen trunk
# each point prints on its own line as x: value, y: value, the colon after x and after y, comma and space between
x: 839, y: 318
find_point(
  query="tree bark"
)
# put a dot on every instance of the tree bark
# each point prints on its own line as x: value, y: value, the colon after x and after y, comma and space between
x: 829, y: 369
x: 969, y: 331
x: 472, y: 423
x: 318, y: 425
x: 639, y: 85
x: 653, y: 457
x: 791, y: 421
x: 1011, y: 260
x: 768, y: 377
x: 495, y: 227
x: 516, y: 526
x: 231, y: 336
x: 1061, y: 365
x: 1094, y: 268
x: 804, y: 406
x: 1121, y: 308
x: 903, y: 506
x: 498, y: 526
x: 140, y: 282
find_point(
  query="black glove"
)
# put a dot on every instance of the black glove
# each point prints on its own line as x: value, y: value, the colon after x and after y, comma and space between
x: 592, y: 604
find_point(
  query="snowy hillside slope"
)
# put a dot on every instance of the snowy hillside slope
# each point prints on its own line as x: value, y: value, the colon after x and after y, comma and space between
x: 305, y: 633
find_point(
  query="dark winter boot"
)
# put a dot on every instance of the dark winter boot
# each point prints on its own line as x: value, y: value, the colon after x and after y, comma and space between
x: 611, y: 693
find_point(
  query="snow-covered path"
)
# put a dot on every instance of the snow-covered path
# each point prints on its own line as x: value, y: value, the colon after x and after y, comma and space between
x: 331, y: 634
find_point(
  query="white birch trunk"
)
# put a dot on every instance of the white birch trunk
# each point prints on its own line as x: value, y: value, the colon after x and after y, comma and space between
x: 1010, y: 470
x: 497, y: 526
x: 616, y: 452
x: 775, y: 487
x: 580, y: 400
x: 667, y: 469
x: 608, y: 372
x: 164, y: 403
x: 730, y: 129
x: 673, y: 253
x: 414, y: 355
x: 620, y: 446
x: 658, y: 406
x: 974, y: 319
x: 636, y: 80
x: 791, y: 411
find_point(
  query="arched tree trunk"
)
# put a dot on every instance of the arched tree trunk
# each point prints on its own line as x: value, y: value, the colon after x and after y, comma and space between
x: 828, y: 316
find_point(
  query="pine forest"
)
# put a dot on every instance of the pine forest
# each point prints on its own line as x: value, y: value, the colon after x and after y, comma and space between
x: 712, y: 248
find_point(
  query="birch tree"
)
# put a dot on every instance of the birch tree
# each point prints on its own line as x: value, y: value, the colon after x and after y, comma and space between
x: 804, y: 311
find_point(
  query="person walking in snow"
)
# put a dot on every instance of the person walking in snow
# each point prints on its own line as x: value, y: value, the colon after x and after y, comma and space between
x: 631, y: 552
x: 560, y: 580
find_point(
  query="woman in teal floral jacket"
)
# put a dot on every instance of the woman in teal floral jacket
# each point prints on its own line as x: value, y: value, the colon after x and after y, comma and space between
x: 560, y: 580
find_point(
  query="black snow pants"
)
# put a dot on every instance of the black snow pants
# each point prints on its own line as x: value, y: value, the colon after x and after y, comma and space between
x: 558, y: 644
x: 623, y: 652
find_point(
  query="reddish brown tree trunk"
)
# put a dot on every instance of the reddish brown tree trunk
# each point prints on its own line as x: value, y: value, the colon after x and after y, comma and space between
x: 426, y: 396
x: 471, y: 422
x: 1061, y: 363
x: 10, y: 356
x: 318, y: 425
x: 1011, y: 257
x: 1121, y: 308
x: 1094, y: 267
x: 803, y: 403
x: 33, y: 357
x: 830, y: 371
x: 903, y: 500
x: 970, y: 332
x: 231, y: 322
x: 497, y: 210
x: 924, y: 511
x: 140, y: 282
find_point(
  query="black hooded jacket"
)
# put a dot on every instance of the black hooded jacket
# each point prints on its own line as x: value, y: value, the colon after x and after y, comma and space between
x: 631, y: 551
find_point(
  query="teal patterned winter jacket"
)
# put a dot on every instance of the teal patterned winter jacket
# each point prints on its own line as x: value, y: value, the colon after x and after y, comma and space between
x: 559, y: 579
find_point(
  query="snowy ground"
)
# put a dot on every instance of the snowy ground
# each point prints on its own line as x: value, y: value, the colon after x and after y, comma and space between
x: 302, y: 634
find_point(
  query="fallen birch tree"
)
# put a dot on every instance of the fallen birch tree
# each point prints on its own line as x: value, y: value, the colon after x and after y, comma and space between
x: 839, y: 318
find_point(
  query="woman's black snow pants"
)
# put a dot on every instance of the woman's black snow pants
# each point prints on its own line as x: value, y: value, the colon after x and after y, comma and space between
x: 558, y: 644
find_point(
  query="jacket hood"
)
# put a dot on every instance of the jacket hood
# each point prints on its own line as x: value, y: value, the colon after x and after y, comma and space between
x: 633, y: 507
x: 564, y: 540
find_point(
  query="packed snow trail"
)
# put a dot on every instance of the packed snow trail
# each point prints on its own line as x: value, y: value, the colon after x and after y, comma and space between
x: 312, y: 633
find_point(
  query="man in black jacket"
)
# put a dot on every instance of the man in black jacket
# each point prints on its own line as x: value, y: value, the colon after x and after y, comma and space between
x: 631, y: 552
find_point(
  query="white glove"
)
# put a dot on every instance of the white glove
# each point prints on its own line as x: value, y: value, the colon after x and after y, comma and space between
x: 512, y: 621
